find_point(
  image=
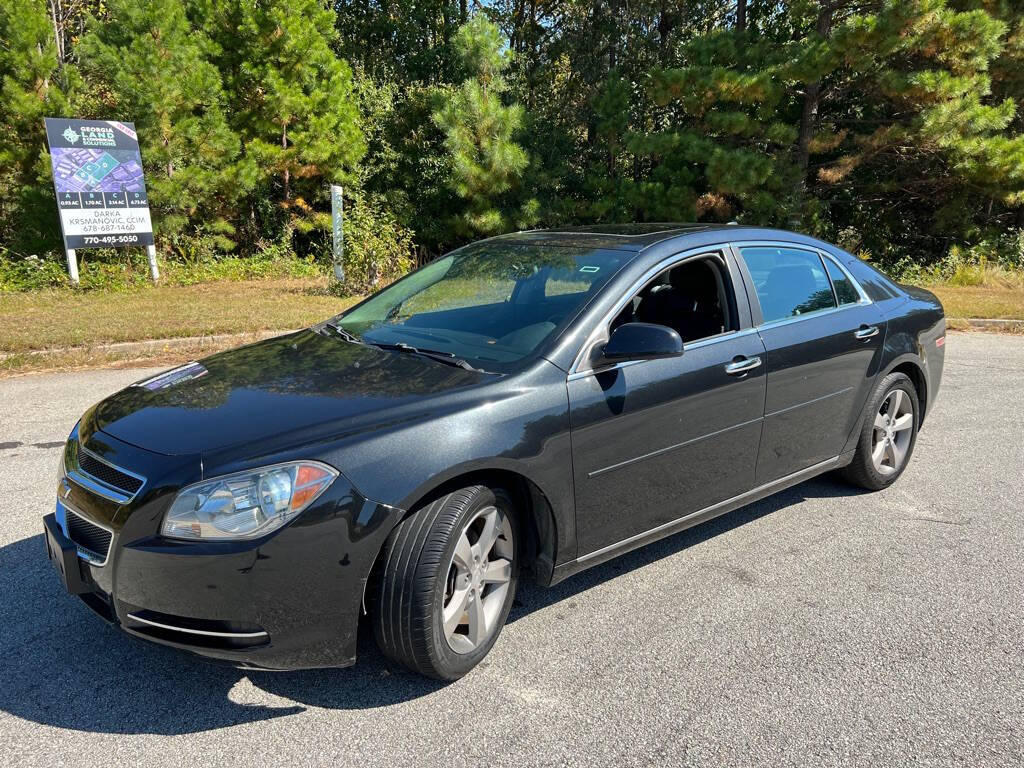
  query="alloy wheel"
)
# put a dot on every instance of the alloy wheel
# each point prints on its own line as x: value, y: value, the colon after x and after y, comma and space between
x: 478, y: 580
x: 894, y: 429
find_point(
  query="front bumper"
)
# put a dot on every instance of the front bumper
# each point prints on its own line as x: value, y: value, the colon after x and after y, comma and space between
x: 290, y: 600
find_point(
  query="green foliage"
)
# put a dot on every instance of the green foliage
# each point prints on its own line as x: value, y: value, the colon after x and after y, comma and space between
x: 479, y: 136
x: 891, y: 126
x: 188, y: 148
x: 32, y: 86
x: 378, y: 250
x: 292, y: 100
x: 119, y: 271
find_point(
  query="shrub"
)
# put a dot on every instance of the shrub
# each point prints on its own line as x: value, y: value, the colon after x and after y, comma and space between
x: 377, y: 249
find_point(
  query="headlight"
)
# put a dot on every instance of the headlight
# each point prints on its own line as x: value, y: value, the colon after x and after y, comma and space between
x: 246, y: 505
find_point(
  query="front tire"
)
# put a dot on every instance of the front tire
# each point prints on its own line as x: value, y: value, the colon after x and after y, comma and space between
x: 448, y: 578
x: 888, y: 435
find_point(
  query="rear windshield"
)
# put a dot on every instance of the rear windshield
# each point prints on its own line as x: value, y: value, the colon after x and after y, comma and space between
x: 491, y: 304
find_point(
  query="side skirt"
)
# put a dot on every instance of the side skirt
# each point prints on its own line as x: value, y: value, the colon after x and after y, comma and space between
x: 604, y: 554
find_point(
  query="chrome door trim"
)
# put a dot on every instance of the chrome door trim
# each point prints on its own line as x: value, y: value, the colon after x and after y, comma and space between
x: 714, y: 249
x: 727, y: 336
x: 742, y: 366
x: 865, y: 300
x: 722, y: 507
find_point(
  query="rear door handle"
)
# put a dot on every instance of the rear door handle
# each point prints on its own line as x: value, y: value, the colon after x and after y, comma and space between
x: 866, y: 331
x: 742, y: 366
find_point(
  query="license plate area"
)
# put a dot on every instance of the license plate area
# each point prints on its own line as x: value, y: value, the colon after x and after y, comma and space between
x: 63, y: 555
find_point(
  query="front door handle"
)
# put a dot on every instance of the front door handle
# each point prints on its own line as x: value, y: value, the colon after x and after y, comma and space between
x: 866, y: 331
x: 737, y: 367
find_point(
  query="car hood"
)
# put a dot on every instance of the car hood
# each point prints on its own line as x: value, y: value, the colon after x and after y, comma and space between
x: 270, y: 389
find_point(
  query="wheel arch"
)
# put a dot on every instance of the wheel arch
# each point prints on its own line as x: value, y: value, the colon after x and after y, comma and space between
x: 538, y: 520
x: 910, y: 366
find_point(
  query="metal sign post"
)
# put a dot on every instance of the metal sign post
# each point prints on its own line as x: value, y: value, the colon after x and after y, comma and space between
x: 338, y: 231
x: 101, y: 191
x: 154, y: 271
x: 72, y: 265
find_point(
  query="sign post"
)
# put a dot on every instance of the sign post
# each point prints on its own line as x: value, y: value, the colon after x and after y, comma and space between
x: 72, y: 265
x: 338, y: 231
x: 101, y: 192
x: 154, y: 271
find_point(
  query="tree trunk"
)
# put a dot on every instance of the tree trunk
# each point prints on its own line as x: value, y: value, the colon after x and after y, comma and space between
x: 58, y: 37
x: 812, y: 99
x: 287, y: 175
x: 532, y: 66
x: 517, y: 38
x: 666, y: 23
x: 463, y: 11
x: 741, y: 15
x: 613, y: 36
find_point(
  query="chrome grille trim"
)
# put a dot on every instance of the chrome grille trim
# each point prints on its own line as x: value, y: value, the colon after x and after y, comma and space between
x: 205, y: 632
x: 98, y: 559
x: 97, y: 485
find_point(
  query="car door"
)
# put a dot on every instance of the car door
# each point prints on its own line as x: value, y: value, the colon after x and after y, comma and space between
x: 823, y: 339
x: 656, y: 440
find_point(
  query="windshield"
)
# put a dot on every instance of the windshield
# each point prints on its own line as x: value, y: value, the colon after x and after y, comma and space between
x: 492, y: 304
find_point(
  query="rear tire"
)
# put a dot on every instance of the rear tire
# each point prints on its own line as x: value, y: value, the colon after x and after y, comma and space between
x: 888, y: 434
x: 447, y: 581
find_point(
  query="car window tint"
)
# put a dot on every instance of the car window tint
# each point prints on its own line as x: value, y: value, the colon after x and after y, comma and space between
x: 845, y: 291
x: 789, y: 282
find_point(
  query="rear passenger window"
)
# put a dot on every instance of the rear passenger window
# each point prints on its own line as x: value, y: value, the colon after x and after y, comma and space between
x: 789, y: 282
x: 845, y: 291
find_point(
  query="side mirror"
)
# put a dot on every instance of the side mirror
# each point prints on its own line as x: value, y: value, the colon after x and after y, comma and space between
x: 641, y: 341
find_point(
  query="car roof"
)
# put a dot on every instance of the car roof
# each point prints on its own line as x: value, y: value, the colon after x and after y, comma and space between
x: 636, y: 237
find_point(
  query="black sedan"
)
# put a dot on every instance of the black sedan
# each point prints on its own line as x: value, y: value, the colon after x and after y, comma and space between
x: 531, y: 404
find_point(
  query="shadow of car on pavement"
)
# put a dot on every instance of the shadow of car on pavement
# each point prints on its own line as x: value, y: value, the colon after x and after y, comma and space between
x: 63, y: 666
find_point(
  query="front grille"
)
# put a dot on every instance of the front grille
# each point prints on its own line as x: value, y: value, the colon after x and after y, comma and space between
x: 89, y: 536
x: 108, y: 474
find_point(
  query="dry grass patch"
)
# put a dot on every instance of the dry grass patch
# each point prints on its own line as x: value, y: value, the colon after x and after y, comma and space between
x: 63, y: 318
x: 989, y: 301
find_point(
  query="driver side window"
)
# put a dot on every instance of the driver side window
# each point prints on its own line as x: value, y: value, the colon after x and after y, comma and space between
x: 693, y: 297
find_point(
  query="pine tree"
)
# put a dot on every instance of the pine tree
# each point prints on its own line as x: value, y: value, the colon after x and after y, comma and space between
x: 720, y: 155
x: 32, y: 87
x: 907, y: 145
x: 479, y: 129
x: 155, y: 66
x: 292, y: 99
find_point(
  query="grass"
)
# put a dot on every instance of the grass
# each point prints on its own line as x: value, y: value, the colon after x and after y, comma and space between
x: 73, y: 327
x: 988, y: 301
x: 78, y: 323
x: 978, y: 291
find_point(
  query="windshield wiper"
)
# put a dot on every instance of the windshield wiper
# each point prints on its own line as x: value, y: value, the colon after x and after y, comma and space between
x: 346, y: 335
x: 442, y: 357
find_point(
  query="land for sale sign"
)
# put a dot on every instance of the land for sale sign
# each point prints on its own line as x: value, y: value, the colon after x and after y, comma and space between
x: 101, y: 193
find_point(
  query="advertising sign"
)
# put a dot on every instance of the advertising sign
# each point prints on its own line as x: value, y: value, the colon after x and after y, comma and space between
x: 97, y: 173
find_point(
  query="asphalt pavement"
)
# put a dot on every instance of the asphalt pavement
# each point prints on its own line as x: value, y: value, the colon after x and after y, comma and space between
x: 823, y: 626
